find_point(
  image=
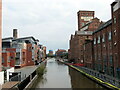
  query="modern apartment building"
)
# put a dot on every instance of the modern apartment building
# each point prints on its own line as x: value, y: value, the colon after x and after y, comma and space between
x: 20, y: 52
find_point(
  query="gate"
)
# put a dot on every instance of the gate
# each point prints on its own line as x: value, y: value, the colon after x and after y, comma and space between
x: 14, y: 76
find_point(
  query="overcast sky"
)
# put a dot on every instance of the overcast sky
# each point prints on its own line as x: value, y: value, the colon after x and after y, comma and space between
x: 50, y: 21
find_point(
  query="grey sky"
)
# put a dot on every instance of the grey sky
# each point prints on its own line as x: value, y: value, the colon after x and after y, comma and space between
x: 50, y: 21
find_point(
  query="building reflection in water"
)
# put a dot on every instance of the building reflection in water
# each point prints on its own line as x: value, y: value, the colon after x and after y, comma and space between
x: 80, y: 81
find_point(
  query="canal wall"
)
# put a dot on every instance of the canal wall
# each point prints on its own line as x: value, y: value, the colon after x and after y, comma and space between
x: 103, y: 80
x: 29, y: 80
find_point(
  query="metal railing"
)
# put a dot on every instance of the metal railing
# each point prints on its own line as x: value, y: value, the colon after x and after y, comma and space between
x: 15, y: 78
x: 103, y: 77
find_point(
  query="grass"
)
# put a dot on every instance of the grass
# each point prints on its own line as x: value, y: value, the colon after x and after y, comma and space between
x: 41, y: 70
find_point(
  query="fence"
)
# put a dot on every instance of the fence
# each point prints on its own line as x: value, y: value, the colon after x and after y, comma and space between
x: 101, y: 76
x: 14, y: 76
x: 26, y: 81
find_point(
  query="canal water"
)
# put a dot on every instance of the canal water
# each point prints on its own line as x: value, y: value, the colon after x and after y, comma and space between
x: 59, y: 75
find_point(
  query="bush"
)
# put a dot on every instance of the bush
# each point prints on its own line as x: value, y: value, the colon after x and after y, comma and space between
x: 40, y: 70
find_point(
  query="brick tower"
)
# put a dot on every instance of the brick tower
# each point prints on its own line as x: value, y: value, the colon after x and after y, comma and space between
x: 84, y: 17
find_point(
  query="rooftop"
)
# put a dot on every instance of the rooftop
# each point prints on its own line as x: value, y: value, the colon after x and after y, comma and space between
x: 106, y: 24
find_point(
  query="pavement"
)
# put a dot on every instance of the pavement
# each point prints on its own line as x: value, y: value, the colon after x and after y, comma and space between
x: 9, y: 84
x: 26, y: 71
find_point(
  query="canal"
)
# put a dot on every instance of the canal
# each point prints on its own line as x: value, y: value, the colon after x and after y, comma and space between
x: 59, y: 75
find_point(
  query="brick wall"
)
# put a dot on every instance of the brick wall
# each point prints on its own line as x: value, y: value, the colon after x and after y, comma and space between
x: 82, y: 14
x: 29, y: 60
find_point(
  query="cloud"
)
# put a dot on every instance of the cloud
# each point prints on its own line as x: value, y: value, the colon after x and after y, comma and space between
x: 51, y: 21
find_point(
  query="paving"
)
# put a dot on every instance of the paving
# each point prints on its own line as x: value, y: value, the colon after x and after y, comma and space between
x: 9, y: 84
x: 26, y: 71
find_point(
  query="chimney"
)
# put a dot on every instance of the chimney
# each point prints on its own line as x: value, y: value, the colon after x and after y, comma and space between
x: 15, y: 34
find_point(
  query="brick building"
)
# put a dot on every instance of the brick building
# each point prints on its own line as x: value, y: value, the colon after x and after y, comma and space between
x: 107, y: 44
x: 44, y: 52
x: 76, y: 52
x: 60, y: 52
x: 8, y: 57
x: 88, y: 54
x: 84, y: 17
x: 5, y: 59
x: 115, y: 8
x: 103, y: 48
x: 20, y: 52
x: 26, y: 51
x: 12, y: 52
x: 50, y: 52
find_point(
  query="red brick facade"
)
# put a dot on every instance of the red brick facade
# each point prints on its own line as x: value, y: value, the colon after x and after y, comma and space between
x: 84, y: 17
x: 103, y: 48
x: 101, y: 51
x: 29, y: 60
x: 8, y: 57
x: 88, y: 54
x: 76, y: 52
x: 5, y: 58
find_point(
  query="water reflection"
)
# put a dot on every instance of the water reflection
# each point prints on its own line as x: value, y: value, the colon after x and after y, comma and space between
x: 80, y: 81
x: 59, y: 75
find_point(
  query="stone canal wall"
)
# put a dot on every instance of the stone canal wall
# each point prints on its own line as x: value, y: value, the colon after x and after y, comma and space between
x: 26, y: 83
x: 29, y: 80
x: 102, y: 79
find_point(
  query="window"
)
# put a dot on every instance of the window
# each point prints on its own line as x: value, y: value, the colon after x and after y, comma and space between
x: 3, y: 60
x: 11, y: 57
x: 115, y: 32
x: 115, y: 43
x: 30, y: 49
x: 109, y: 36
x: 110, y: 45
x: 111, y: 71
x: 104, y: 59
x: 103, y: 38
x: 83, y: 24
x: 105, y: 68
x: 99, y: 67
x: 82, y: 13
x: 118, y: 72
x: 20, y: 41
x: 103, y: 45
x: 94, y: 40
x: 114, y: 20
x: 99, y: 39
x: 111, y: 59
